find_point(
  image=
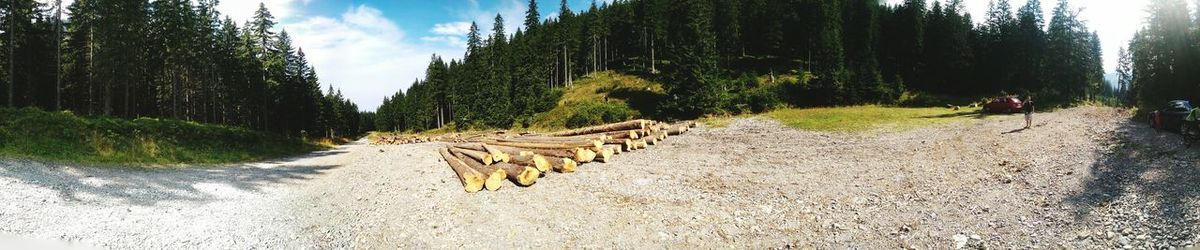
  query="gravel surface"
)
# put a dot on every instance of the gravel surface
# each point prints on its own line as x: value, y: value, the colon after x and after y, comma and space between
x: 1081, y: 178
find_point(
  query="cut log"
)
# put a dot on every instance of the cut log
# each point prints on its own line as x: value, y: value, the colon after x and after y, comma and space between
x: 604, y: 155
x: 482, y: 157
x: 640, y: 143
x: 497, y: 155
x: 616, y: 149
x: 625, y: 144
x: 634, y: 124
x: 578, y: 154
x: 521, y: 175
x: 587, y: 137
x: 495, y: 176
x: 563, y: 165
x: 623, y: 134
x: 533, y: 160
x: 472, y: 179
x: 677, y: 130
x: 544, y: 143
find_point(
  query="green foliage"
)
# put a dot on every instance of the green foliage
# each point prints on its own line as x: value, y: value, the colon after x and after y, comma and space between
x: 62, y: 136
x: 590, y: 113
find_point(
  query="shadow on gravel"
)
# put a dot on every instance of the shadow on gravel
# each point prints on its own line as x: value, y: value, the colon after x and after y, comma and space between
x: 148, y: 187
x: 1160, y: 171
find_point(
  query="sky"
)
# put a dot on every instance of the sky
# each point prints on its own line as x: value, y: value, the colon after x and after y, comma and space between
x: 369, y: 49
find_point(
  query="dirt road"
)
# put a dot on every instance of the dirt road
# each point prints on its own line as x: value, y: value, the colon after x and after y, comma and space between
x: 1081, y: 178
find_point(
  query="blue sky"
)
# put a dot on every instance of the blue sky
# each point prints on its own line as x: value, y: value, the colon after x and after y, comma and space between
x: 372, y: 48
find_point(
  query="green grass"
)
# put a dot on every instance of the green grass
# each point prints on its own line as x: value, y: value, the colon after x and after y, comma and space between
x: 65, y: 137
x: 870, y: 118
x: 601, y: 97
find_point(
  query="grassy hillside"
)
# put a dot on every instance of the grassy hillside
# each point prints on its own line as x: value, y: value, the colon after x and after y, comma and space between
x: 62, y: 136
x: 599, y: 98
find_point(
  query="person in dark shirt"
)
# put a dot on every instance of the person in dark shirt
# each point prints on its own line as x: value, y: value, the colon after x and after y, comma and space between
x: 1028, y: 108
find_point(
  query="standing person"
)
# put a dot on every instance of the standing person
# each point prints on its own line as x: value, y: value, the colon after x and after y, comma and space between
x: 1028, y: 108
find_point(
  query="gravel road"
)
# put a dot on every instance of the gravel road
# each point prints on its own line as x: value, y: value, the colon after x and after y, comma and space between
x: 1081, y: 178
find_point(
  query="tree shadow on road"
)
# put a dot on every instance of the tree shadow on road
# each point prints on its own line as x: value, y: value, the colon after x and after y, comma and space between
x: 1153, y: 170
x: 148, y: 187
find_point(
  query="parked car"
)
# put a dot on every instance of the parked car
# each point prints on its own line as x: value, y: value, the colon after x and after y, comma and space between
x: 1170, y: 116
x: 1008, y: 104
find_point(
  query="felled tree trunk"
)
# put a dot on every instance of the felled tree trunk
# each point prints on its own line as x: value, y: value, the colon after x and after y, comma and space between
x: 495, y: 154
x: 563, y: 165
x: 588, y: 144
x: 495, y: 176
x: 521, y: 175
x: 531, y: 159
x: 625, y: 144
x: 482, y: 157
x: 472, y: 179
x: 635, y: 124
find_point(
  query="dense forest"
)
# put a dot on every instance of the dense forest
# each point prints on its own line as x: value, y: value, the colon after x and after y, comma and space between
x: 711, y: 54
x: 165, y: 58
x: 1161, y: 61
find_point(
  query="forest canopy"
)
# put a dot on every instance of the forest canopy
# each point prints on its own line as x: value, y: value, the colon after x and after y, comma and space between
x: 710, y: 55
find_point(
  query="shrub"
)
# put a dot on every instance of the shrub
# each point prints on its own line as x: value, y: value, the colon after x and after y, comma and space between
x: 589, y: 113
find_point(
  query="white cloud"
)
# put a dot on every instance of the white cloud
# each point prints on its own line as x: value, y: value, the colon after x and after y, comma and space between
x: 243, y: 10
x: 451, y: 29
x: 362, y: 53
x: 454, y: 33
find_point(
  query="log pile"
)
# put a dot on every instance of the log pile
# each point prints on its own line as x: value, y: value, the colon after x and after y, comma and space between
x: 484, y: 162
x: 414, y: 139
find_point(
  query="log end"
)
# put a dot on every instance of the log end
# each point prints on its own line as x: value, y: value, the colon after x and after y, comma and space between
x: 569, y: 166
x: 501, y: 157
x: 605, y: 155
x: 495, y: 180
x: 488, y: 159
x: 541, y: 163
x: 528, y: 177
x: 584, y: 155
x: 473, y: 183
x: 633, y: 134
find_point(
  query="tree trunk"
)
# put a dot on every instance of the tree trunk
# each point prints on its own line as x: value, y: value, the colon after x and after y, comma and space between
x: 531, y: 159
x: 635, y: 124
x: 563, y: 165
x: 482, y: 157
x: 495, y: 176
x: 58, y: 55
x: 472, y: 179
x: 12, y: 42
x: 521, y: 175
x: 577, y: 154
x: 496, y: 154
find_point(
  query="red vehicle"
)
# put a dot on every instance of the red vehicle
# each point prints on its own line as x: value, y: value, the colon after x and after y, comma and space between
x: 1008, y: 104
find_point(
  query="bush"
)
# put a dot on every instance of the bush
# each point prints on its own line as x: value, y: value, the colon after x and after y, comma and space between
x: 590, y: 113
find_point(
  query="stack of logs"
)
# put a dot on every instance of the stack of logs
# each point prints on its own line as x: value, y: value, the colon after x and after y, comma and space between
x: 486, y: 161
x: 414, y: 139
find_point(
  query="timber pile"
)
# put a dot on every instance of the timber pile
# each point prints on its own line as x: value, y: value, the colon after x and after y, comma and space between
x: 414, y: 139
x: 484, y: 162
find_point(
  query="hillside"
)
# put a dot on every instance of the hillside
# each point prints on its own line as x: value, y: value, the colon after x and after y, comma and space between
x: 63, y: 136
x: 599, y: 98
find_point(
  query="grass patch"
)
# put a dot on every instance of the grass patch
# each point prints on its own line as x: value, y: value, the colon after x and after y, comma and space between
x: 65, y: 137
x: 601, y: 97
x: 870, y: 118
